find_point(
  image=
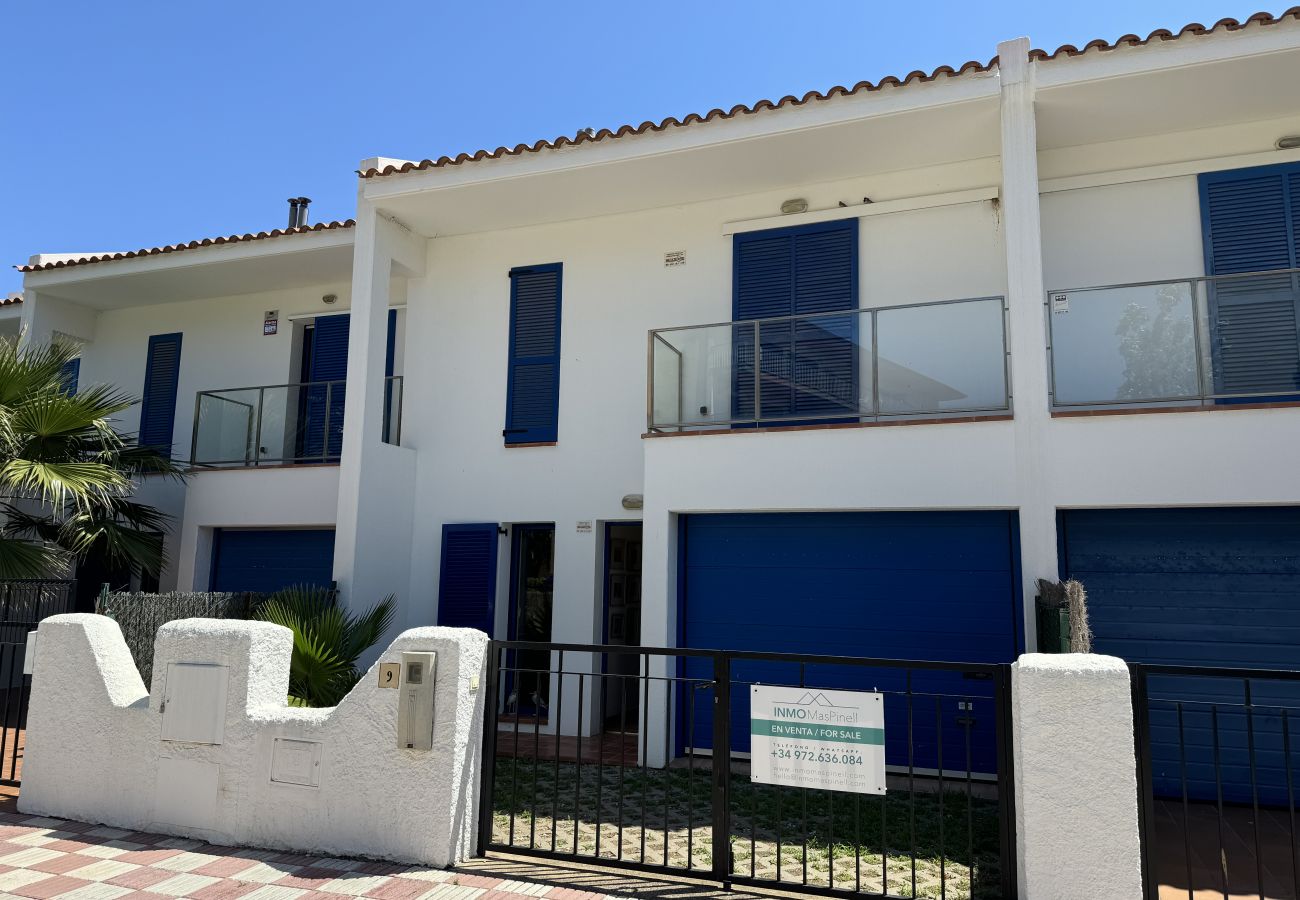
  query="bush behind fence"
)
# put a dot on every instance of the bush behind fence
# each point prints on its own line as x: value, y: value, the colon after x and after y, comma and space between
x: 140, y: 615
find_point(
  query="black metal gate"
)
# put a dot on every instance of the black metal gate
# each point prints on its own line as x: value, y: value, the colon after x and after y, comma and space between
x: 23, y: 604
x: 1216, y: 780
x: 650, y: 770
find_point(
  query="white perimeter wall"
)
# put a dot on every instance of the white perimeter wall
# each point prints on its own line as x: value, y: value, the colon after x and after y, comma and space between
x: 101, y: 748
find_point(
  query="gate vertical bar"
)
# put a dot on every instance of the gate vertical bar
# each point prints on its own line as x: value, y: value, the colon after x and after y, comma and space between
x: 487, y: 777
x: 722, y: 768
x: 1008, y: 856
x: 1146, y: 798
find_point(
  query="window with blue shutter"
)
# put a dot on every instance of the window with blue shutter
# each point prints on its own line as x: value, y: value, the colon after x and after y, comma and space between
x: 533, y: 377
x: 158, y: 401
x: 1251, y: 223
x: 808, y: 366
x: 69, y: 374
x: 467, y: 583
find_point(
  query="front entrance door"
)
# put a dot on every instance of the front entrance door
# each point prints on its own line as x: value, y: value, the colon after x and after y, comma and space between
x: 622, y: 624
x: 532, y: 596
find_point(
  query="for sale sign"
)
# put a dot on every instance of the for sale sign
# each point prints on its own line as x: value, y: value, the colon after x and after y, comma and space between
x: 810, y: 738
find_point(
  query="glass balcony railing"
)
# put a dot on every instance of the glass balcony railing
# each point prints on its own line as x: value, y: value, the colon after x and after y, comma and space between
x: 282, y: 424
x: 1193, y: 341
x: 921, y: 361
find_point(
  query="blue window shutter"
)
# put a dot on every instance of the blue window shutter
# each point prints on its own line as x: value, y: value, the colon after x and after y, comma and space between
x: 70, y: 373
x: 809, y: 368
x: 323, y: 422
x: 467, y: 584
x: 158, y: 401
x: 1251, y: 223
x: 533, y: 377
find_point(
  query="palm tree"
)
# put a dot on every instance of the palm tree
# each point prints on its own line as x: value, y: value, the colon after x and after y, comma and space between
x: 327, y: 641
x: 67, y: 475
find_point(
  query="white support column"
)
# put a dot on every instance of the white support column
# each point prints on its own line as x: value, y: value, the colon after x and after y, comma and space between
x: 376, y: 480
x: 1028, y: 328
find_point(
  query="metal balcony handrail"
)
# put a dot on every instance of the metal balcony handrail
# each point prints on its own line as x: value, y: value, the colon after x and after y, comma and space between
x: 1205, y: 342
x: 663, y: 337
x: 253, y: 450
x: 1190, y: 279
x: 827, y: 315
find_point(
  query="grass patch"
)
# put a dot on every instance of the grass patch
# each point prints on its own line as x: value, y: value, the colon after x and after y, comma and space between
x: 857, y: 842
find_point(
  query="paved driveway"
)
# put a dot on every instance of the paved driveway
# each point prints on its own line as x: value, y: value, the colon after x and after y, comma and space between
x: 44, y: 858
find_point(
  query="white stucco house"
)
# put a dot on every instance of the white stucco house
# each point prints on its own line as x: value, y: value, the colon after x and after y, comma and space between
x: 842, y: 373
x: 11, y: 315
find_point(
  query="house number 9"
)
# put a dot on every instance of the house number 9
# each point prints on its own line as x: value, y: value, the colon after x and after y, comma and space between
x: 390, y: 674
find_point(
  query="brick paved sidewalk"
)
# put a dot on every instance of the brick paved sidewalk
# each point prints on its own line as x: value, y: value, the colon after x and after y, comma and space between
x: 42, y: 859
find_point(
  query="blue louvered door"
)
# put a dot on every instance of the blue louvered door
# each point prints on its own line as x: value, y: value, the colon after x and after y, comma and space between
x: 467, y: 583
x: 808, y: 367
x: 158, y: 400
x: 533, y: 378
x: 1251, y: 223
x: 322, y: 405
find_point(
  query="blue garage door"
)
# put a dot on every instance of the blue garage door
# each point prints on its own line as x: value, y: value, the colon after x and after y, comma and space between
x: 267, y: 560
x: 907, y: 585
x: 1198, y: 587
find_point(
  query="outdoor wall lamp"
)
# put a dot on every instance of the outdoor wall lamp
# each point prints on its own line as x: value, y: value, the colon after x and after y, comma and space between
x: 1288, y: 142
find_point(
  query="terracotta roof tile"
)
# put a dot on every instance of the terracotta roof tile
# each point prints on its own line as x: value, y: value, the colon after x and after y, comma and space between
x: 588, y: 137
x: 192, y: 245
x: 1164, y: 34
x: 11, y: 300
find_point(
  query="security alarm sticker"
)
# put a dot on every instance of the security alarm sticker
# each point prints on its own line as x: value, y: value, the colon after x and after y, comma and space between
x: 811, y: 738
x: 271, y: 321
x: 1060, y: 303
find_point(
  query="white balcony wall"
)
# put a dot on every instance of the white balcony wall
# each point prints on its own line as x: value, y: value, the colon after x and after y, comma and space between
x: 291, y: 497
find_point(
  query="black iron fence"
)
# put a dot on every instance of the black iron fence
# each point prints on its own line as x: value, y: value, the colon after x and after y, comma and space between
x: 1216, y: 780
x: 641, y: 758
x: 23, y: 604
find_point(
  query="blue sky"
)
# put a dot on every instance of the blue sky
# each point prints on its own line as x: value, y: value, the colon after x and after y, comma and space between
x: 135, y: 124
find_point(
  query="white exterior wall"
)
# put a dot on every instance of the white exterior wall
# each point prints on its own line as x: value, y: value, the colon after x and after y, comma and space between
x: 222, y: 346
